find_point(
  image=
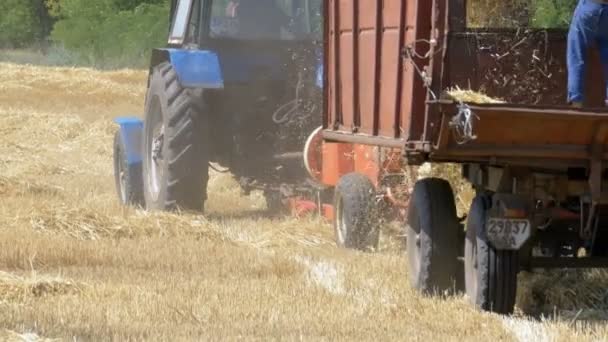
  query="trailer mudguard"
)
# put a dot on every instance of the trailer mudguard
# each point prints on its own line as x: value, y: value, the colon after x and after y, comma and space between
x: 131, y: 133
x: 194, y: 68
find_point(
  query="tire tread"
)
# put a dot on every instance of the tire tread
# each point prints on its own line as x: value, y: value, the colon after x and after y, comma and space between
x: 434, y: 204
x: 187, y: 154
x: 496, y: 274
x: 357, y: 194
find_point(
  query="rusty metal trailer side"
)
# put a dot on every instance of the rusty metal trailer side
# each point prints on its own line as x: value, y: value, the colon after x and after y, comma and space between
x: 507, y: 134
x: 382, y: 55
x: 371, y: 91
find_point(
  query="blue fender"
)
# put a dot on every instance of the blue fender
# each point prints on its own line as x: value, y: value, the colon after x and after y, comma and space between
x: 194, y: 68
x: 131, y: 133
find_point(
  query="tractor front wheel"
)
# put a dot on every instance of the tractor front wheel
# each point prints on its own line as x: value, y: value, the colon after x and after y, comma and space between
x: 127, y: 176
x: 176, y: 150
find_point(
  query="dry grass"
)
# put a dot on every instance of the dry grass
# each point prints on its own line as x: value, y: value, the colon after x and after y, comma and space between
x: 14, y: 288
x: 75, y: 265
x: 71, y: 90
x: 11, y: 336
x: 471, y: 96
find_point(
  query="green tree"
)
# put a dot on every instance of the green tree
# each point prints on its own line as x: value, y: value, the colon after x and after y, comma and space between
x: 520, y: 13
x: 111, y: 32
x: 19, y: 24
x: 553, y: 13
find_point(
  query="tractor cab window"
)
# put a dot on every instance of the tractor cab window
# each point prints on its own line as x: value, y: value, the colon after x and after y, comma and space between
x: 263, y: 19
x: 192, y: 34
x: 180, y: 21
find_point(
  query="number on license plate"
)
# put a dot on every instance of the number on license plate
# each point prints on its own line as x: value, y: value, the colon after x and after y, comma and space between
x: 508, y: 233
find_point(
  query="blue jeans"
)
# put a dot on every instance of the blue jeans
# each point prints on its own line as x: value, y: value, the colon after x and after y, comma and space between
x: 589, y: 28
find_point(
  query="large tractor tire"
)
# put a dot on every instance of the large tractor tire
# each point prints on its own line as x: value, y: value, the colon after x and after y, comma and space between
x: 128, y: 178
x: 356, y: 221
x: 176, y: 149
x: 433, y: 237
x: 490, y: 274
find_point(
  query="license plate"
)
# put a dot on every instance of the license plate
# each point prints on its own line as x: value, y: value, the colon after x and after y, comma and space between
x: 508, y: 234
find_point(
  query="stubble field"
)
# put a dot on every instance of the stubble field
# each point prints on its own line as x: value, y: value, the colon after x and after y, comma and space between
x: 74, y: 265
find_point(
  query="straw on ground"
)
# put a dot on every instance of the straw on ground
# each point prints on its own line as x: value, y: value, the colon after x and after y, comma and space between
x: 75, y: 265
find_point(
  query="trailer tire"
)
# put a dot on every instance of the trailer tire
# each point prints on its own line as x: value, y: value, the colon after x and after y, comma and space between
x: 490, y: 274
x: 432, y: 237
x: 127, y: 177
x: 176, y: 146
x: 356, y: 221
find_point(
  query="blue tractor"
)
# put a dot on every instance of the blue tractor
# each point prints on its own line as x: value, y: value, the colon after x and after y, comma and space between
x: 237, y: 88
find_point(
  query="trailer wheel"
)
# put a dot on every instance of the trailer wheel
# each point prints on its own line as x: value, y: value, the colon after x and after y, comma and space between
x: 432, y: 237
x: 490, y: 274
x: 356, y: 221
x: 176, y: 151
x: 128, y: 178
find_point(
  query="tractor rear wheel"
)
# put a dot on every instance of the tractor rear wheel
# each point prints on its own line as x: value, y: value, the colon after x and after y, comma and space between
x: 433, y: 237
x: 356, y: 221
x: 176, y: 149
x: 490, y: 274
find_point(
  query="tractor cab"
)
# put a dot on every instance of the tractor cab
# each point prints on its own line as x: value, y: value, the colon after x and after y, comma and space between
x: 236, y: 89
x: 268, y: 53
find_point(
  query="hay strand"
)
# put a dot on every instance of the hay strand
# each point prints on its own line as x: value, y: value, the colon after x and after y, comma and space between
x: 471, y: 96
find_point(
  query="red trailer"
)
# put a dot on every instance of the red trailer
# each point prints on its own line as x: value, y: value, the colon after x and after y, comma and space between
x: 537, y: 166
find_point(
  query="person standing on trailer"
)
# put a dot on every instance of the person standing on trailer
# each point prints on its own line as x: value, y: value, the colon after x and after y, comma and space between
x: 589, y: 28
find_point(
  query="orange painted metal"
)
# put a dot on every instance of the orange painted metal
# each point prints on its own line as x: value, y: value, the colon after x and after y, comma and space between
x: 338, y: 160
x: 328, y: 212
x: 366, y: 162
x: 301, y: 207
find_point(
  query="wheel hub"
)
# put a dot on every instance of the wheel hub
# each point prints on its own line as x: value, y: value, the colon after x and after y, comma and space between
x: 157, y: 148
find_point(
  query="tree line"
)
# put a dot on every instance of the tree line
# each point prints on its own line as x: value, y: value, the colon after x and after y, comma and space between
x: 124, y: 31
x: 114, y: 32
